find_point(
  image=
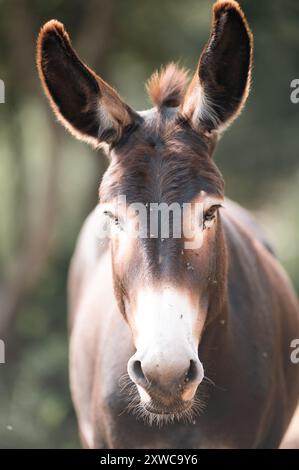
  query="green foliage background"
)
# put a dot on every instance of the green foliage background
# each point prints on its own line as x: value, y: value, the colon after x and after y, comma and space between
x: 125, y: 41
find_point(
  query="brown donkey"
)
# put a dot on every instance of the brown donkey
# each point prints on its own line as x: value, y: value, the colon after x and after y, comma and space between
x: 172, y: 346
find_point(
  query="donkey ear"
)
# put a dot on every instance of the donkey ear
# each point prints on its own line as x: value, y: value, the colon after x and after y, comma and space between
x: 221, y: 83
x: 87, y: 106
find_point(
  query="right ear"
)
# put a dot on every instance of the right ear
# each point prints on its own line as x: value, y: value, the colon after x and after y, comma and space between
x: 86, y: 105
x: 221, y: 83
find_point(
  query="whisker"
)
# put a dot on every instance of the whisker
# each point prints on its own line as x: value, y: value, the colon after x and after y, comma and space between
x: 210, y: 381
x: 135, y: 407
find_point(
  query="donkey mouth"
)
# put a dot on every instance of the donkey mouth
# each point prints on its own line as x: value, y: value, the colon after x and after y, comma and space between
x: 154, y: 413
x: 159, y: 409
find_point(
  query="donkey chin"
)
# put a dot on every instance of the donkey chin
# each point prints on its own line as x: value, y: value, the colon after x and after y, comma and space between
x: 178, y: 400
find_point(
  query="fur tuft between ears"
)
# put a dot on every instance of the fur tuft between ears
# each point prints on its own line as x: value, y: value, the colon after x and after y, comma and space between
x: 166, y: 88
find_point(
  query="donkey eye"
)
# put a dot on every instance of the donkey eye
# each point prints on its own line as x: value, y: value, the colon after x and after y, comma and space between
x: 210, y: 213
x: 112, y: 217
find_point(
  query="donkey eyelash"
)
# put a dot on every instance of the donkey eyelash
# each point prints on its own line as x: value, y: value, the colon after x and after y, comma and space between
x: 212, y: 211
x: 210, y: 214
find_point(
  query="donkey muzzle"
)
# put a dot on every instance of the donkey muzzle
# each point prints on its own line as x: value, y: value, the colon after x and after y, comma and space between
x: 165, y: 380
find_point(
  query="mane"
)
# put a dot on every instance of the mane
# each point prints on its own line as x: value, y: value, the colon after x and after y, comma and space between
x: 166, y: 88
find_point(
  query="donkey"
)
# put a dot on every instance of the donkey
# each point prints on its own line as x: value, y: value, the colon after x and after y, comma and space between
x: 172, y: 347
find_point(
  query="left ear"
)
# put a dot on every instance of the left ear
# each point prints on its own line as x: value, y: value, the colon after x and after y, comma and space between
x: 221, y: 83
x: 83, y: 102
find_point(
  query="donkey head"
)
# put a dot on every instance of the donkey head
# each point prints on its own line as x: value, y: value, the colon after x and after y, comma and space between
x: 166, y: 291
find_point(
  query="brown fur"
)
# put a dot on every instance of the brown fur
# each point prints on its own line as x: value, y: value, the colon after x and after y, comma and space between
x: 101, y: 115
x: 167, y: 87
x: 162, y: 150
x: 227, y: 102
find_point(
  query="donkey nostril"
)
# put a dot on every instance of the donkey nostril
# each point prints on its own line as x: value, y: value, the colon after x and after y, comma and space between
x: 192, y: 372
x: 137, y: 371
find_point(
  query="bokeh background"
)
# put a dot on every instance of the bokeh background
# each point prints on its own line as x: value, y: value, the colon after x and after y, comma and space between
x: 49, y: 181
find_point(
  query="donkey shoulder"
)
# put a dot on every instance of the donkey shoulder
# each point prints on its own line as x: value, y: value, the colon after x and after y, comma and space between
x: 240, y: 216
x: 89, y: 249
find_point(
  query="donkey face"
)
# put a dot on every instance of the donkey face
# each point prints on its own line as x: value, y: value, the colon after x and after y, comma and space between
x: 166, y: 289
